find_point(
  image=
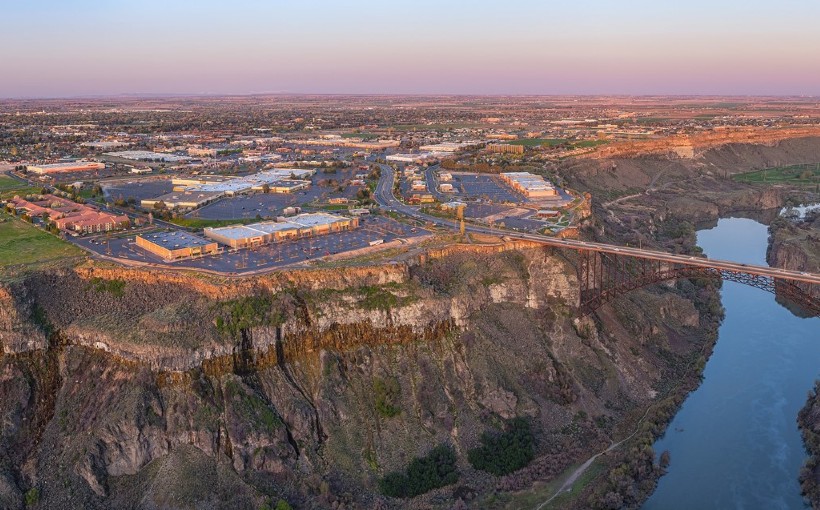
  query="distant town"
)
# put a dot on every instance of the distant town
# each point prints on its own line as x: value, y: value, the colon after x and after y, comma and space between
x: 252, y: 184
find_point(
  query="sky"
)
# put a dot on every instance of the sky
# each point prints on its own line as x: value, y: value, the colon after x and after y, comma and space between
x: 67, y: 48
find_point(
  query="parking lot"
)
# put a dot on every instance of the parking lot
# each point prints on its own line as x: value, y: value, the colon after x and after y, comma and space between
x: 121, y: 245
x: 139, y: 190
x: 484, y: 187
x: 246, y: 206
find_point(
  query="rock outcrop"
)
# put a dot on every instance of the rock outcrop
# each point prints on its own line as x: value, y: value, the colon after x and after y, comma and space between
x: 168, y: 395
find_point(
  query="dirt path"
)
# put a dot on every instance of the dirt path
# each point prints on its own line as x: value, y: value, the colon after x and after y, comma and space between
x: 569, y: 482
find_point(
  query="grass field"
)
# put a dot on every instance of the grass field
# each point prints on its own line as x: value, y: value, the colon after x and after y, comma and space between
x: 8, y: 183
x: 584, y: 144
x: 22, y: 191
x: 23, y: 243
x: 197, y: 223
x: 792, y: 174
x: 537, y: 142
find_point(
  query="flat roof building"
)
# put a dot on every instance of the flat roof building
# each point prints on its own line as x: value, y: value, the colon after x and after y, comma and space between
x: 302, y: 225
x: 182, y: 199
x: 61, y: 168
x: 450, y: 146
x: 531, y: 185
x: 148, y: 156
x: 176, y: 244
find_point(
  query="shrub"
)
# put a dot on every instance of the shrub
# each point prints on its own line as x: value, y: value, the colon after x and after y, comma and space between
x: 503, y: 453
x: 388, y: 392
x: 436, y: 469
x: 246, y: 313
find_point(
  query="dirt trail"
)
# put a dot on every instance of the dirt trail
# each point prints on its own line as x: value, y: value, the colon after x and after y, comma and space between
x: 569, y: 482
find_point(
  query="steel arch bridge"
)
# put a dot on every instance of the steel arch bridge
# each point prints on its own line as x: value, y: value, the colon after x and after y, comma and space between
x: 605, y: 274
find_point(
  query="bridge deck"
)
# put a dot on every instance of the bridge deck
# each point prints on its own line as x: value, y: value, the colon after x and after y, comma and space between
x: 772, y: 272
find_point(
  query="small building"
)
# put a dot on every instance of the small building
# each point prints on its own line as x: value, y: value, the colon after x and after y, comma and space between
x: 176, y: 245
x: 445, y: 176
x: 446, y: 188
x: 546, y: 214
x: 140, y: 171
x: 418, y: 186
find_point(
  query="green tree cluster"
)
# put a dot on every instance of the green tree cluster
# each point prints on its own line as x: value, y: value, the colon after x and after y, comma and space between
x: 388, y: 393
x: 247, y: 312
x: 503, y: 453
x: 436, y: 469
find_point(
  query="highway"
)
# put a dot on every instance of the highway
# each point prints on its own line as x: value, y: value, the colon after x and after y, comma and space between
x: 386, y: 198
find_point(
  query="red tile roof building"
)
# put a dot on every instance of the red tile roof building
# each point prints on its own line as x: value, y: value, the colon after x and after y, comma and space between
x: 68, y: 215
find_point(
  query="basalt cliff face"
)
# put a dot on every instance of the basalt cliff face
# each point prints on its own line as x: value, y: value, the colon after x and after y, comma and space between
x: 794, y: 243
x: 809, y: 422
x: 119, y: 390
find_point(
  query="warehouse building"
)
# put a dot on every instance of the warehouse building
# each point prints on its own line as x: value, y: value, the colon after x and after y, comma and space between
x: 302, y: 225
x: 63, y: 168
x: 176, y: 245
x: 531, y: 185
x: 181, y: 199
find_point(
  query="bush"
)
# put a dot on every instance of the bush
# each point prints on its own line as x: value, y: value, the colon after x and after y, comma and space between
x: 503, y: 453
x: 388, y: 392
x: 32, y: 496
x: 436, y: 469
x: 247, y: 312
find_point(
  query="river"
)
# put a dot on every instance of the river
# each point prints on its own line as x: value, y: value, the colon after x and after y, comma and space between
x: 735, y: 444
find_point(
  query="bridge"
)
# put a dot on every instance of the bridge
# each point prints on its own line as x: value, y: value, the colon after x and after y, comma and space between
x: 606, y: 271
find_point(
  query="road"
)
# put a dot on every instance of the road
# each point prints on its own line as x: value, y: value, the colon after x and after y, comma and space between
x: 386, y: 198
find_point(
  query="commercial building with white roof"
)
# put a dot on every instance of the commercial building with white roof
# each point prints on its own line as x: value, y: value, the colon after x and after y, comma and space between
x: 531, y: 185
x: 302, y: 225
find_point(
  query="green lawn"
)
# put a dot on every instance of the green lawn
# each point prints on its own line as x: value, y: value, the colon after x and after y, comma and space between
x: 583, y: 144
x: 23, y: 243
x: 8, y: 193
x: 792, y: 174
x: 196, y: 223
x: 537, y: 142
x: 7, y: 183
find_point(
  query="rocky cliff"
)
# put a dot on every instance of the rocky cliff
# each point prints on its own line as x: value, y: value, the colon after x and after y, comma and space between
x: 123, y: 391
x: 794, y: 243
x: 809, y: 422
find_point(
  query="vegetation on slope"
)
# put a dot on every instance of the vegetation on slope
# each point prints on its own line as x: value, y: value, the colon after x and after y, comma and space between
x: 436, y: 469
x: 503, y: 453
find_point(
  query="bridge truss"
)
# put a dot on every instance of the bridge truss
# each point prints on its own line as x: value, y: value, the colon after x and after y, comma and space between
x: 605, y: 276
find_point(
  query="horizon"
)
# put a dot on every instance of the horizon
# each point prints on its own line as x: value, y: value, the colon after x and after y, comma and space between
x: 101, y: 49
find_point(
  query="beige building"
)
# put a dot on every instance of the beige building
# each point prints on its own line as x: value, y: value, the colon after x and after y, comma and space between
x: 176, y: 245
x: 505, y: 148
x: 302, y: 225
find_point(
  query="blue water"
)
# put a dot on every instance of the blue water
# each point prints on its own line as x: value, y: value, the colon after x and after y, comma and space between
x: 735, y: 444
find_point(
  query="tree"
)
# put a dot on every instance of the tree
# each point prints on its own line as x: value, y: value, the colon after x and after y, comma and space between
x: 501, y: 454
x: 266, y: 188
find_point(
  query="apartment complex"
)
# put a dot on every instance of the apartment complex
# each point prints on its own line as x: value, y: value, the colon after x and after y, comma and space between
x: 68, y: 215
x: 505, y: 148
